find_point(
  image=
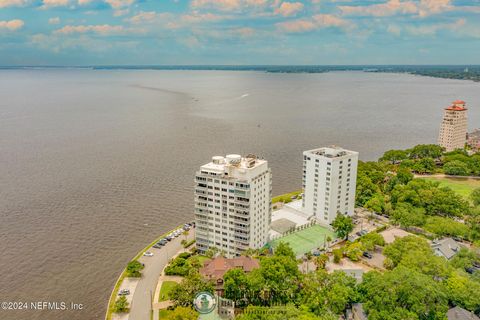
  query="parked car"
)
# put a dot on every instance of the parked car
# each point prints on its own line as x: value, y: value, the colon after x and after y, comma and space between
x: 169, y: 238
x: 124, y: 292
x: 148, y: 254
x: 470, y: 270
x: 367, y: 255
x: 157, y: 246
x: 363, y: 232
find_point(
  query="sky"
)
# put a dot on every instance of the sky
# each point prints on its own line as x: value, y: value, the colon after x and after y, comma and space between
x: 238, y: 32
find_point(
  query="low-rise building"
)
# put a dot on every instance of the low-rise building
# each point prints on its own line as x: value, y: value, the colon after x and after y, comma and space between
x: 473, y: 140
x: 446, y: 248
x: 216, y: 268
x: 458, y: 313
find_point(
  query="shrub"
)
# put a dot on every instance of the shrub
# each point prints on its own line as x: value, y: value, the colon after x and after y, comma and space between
x: 121, y: 305
x: 134, y: 268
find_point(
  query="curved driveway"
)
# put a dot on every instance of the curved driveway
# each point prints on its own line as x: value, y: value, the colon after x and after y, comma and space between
x: 141, y: 306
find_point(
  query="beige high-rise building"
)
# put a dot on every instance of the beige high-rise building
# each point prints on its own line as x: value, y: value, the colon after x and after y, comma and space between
x: 453, y: 131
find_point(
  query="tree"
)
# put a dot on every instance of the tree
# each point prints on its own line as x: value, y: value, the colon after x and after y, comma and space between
x: 342, y: 225
x: 278, y: 275
x: 134, y: 268
x: 464, y: 292
x: 182, y: 313
x: 475, y: 196
x: 121, y: 305
x: 403, y: 294
x: 323, y: 293
x: 337, y: 255
x: 321, y: 261
x: 456, y: 168
x: 372, y: 239
x: 183, y: 293
x: 424, y: 165
x: 394, y: 156
x: 401, y: 246
x: 376, y: 203
x: 366, y: 189
x: 281, y: 313
x: 407, y: 215
x: 235, y: 284
x: 446, y: 227
x: 425, y: 151
x: 354, y: 251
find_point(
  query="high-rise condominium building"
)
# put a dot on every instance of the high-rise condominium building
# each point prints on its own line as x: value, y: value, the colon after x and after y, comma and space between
x: 233, y: 204
x: 329, y: 181
x: 453, y: 131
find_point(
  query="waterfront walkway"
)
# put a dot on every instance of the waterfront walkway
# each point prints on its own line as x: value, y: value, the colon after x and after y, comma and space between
x: 144, y: 291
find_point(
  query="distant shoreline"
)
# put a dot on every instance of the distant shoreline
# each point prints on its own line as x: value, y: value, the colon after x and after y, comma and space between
x: 455, y: 72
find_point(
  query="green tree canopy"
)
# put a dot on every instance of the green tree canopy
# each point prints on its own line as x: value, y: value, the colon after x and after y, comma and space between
x: 183, y: 293
x: 475, y: 196
x: 134, y: 268
x: 323, y: 293
x: 402, y: 246
x: 403, y: 294
x: 456, y: 168
x: 407, y: 215
x: 425, y: 151
x: 342, y: 225
x: 394, y: 156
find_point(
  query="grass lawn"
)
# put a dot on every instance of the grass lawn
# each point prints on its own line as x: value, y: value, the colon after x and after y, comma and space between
x: 162, y: 314
x: 306, y: 240
x: 463, y: 186
x: 202, y: 259
x: 165, y: 290
x: 287, y: 197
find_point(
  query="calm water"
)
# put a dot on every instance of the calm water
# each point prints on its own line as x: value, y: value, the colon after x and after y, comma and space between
x: 95, y: 164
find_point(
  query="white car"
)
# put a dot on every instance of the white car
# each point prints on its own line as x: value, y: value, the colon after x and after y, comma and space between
x: 148, y: 254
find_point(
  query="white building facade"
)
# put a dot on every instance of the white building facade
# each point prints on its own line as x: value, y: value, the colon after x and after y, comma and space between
x: 453, y: 130
x: 233, y: 204
x: 329, y: 182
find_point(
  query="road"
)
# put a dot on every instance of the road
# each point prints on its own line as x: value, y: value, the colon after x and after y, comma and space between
x: 141, y: 305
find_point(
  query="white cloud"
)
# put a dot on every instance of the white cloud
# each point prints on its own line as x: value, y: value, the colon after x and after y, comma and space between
x: 54, y: 3
x: 13, y: 3
x: 11, y: 25
x: 55, y: 20
x: 230, y: 5
x: 119, y: 4
x: 104, y: 29
x: 388, y: 8
x: 432, y: 29
x: 318, y: 21
x: 287, y: 9
x: 422, y: 8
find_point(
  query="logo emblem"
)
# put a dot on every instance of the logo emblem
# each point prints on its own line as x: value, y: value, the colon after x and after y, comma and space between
x: 204, y: 302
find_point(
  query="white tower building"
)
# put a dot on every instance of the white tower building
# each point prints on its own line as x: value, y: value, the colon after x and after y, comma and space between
x: 329, y: 182
x: 233, y: 204
x: 453, y: 131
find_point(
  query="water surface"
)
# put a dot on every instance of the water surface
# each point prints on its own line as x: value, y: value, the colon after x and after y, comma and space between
x: 94, y: 164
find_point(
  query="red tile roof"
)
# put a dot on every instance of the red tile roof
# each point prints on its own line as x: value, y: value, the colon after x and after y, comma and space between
x: 457, y: 105
x: 216, y: 268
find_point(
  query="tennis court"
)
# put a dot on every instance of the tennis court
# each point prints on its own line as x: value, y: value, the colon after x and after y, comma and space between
x: 306, y: 240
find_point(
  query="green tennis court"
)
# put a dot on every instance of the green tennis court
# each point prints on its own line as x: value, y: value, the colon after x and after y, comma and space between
x: 306, y: 240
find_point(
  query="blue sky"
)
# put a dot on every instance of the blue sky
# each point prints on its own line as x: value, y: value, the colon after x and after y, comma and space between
x: 106, y: 32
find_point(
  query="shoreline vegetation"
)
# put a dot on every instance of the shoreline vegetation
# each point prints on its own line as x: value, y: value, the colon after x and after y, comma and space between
x: 457, y: 72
